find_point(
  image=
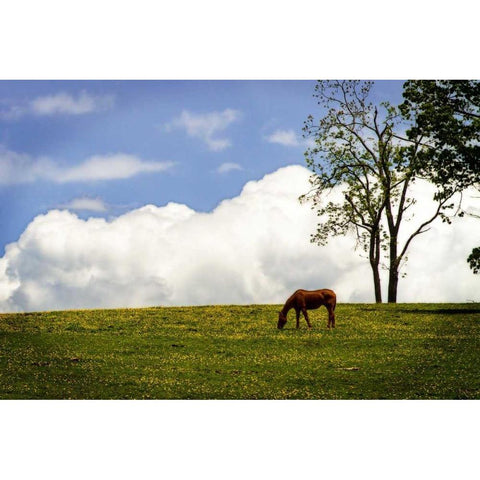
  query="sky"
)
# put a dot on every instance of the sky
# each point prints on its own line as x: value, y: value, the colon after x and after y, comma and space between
x: 135, y: 193
x: 192, y: 142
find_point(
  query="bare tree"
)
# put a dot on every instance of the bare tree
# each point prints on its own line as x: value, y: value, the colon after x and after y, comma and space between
x: 359, y: 149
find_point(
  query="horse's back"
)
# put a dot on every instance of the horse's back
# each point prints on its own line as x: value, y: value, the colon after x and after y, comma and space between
x: 315, y: 298
x: 326, y: 292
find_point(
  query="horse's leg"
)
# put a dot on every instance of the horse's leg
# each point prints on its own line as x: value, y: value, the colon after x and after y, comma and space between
x: 305, y: 314
x: 331, y: 316
x: 298, y: 317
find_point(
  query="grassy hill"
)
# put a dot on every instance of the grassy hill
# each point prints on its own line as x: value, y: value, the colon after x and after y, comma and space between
x: 404, y: 351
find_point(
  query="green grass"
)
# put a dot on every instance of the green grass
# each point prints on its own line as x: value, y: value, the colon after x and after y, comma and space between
x: 405, y: 351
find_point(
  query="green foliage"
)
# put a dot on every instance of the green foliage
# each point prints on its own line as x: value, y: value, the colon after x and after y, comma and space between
x: 346, y: 155
x: 236, y: 352
x: 446, y: 115
x: 474, y: 260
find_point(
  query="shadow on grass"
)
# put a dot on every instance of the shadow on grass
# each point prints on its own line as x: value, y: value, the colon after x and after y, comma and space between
x: 440, y: 311
x: 423, y: 311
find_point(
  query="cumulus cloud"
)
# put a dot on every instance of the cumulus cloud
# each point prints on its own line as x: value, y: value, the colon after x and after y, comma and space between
x: 437, y: 270
x: 21, y: 168
x: 60, y: 103
x: 86, y: 204
x: 206, y: 126
x: 253, y: 248
x: 228, y: 167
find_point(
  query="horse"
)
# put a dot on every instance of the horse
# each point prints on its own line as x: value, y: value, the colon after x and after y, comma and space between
x: 303, y: 300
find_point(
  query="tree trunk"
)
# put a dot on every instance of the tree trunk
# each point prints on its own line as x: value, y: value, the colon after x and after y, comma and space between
x: 393, y: 271
x: 374, y: 256
x: 376, y: 283
x: 392, y: 285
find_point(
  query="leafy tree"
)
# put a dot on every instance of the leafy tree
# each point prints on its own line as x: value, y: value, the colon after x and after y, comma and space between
x: 340, y: 143
x: 446, y: 114
x: 358, y: 149
x: 474, y: 260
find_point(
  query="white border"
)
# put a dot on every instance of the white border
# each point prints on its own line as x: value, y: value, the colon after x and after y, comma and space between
x: 233, y: 40
x: 259, y: 39
x: 239, y: 439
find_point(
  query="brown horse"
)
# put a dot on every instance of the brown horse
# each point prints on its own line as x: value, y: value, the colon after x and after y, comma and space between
x: 303, y: 300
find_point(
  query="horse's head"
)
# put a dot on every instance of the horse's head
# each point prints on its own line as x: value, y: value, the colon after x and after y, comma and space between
x: 282, y: 320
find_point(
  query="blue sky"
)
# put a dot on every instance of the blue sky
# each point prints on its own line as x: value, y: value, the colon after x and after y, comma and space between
x: 191, y: 127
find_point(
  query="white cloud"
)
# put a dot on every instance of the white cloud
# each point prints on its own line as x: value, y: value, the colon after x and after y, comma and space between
x: 21, y: 168
x: 86, y: 204
x: 437, y: 269
x: 253, y: 248
x: 284, y: 137
x: 228, y: 167
x: 60, y: 103
x: 8, y: 284
x: 66, y: 104
x: 110, y: 167
x: 288, y: 138
x: 206, y: 126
